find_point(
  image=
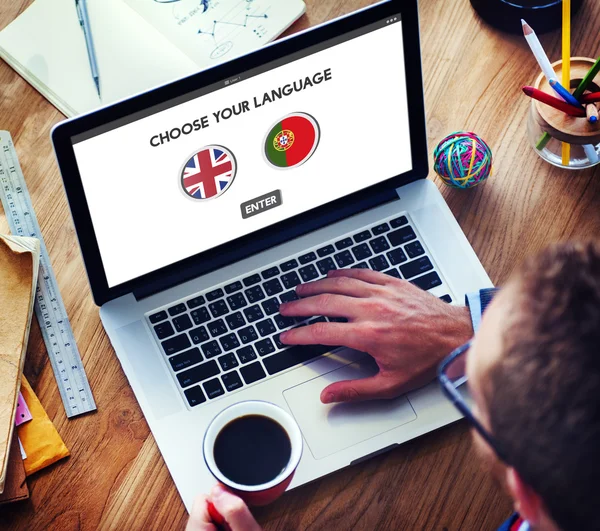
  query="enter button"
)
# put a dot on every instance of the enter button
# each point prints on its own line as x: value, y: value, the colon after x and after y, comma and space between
x: 261, y: 204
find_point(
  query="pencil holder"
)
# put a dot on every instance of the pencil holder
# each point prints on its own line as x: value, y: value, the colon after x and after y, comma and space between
x: 548, y: 128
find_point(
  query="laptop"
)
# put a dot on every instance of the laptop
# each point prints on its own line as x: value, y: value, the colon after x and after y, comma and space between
x: 201, y: 205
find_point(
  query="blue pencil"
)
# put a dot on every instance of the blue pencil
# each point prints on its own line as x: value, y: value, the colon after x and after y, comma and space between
x: 564, y: 93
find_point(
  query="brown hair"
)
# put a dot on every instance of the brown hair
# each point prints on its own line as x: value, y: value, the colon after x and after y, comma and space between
x: 544, y: 399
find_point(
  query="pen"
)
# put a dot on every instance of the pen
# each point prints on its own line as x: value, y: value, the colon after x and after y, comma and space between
x: 564, y: 93
x: 84, y: 21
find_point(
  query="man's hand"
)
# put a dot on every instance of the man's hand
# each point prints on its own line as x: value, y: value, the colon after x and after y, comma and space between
x: 408, y: 331
x: 232, y: 509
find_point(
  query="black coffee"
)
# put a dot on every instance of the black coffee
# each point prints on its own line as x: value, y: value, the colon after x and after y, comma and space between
x: 252, y: 450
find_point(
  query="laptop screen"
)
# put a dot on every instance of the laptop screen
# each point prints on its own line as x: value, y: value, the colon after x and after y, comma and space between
x: 250, y: 151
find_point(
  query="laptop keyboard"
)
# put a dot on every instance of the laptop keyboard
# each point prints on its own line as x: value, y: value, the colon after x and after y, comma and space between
x: 227, y: 338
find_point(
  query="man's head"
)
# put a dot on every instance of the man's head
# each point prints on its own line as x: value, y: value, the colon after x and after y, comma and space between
x: 534, y: 372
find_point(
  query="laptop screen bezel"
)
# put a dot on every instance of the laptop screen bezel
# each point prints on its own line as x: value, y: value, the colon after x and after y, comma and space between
x: 240, y: 248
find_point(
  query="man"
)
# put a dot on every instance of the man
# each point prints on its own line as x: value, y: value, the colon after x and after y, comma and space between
x: 533, y: 372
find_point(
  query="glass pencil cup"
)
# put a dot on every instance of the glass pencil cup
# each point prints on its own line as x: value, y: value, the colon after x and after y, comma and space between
x: 549, y: 128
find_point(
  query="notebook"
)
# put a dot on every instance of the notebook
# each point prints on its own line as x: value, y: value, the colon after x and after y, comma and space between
x: 139, y: 44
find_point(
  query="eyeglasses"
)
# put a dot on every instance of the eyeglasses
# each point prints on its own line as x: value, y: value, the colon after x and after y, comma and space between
x: 453, y: 379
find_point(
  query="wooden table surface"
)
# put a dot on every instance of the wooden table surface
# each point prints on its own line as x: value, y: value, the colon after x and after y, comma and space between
x: 116, y: 478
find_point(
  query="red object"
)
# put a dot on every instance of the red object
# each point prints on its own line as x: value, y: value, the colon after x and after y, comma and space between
x: 593, y: 97
x: 264, y: 497
x: 217, y: 518
x: 546, y: 98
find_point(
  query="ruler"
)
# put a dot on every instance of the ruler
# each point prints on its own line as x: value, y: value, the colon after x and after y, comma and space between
x: 50, y: 310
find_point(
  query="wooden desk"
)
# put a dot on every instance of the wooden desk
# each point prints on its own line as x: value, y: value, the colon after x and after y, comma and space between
x: 116, y: 478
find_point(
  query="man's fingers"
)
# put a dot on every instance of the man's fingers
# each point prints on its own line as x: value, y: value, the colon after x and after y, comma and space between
x: 233, y: 509
x: 332, y: 334
x: 199, y: 518
x: 340, y: 285
x: 324, y: 304
x: 366, y: 275
x: 357, y: 390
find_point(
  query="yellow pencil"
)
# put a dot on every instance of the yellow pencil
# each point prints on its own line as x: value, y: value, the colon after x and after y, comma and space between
x: 566, y: 65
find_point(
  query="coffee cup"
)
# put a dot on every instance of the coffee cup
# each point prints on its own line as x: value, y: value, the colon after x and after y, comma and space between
x: 253, y: 448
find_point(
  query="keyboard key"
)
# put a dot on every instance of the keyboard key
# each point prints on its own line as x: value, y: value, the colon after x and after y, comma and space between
x: 308, y: 273
x: 186, y: 359
x: 397, y: 256
x: 289, y: 265
x: 251, y: 280
x: 416, y: 267
x: 177, y: 309
x: 428, y: 281
x: 232, y: 381
x: 214, y: 294
x: 213, y: 388
x: 175, y: 344
x: 283, y: 322
x: 253, y: 313
x: 379, y: 263
x: 266, y: 327
x: 273, y: 287
x: 324, y: 251
x: 414, y: 249
x: 271, y: 306
x: 246, y: 354
x: 289, y: 296
x: 216, y: 328
x: 157, y: 317
x: 277, y: 340
x: 362, y: 236
x: 306, y: 258
x: 183, y: 322
x: 229, y: 342
x: 253, y: 372
x: 255, y: 294
x: 199, y: 335
x: 218, y: 308
x: 195, y: 302
x: 233, y: 287
x: 361, y: 251
x: 293, y: 356
x: 228, y: 361
x: 270, y: 273
x: 247, y: 334
x: 446, y: 298
x: 211, y: 349
x: 317, y: 320
x: 398, y: 222
x: 194, y: 396
x: 290, y: 280
x: 200, y: 315
x: 360, y: 265
x: 344, y: 258
x: 393, y: 273
x: 265, y: 347
x: 236, y: 301
x: 400, y: 236
x: 163, y: 330
x: 235, y: 320
x: 379, y: 244
x: 327, y: 264
x: 344, y: 244
x: 380, y: 229
x: 199, y: 373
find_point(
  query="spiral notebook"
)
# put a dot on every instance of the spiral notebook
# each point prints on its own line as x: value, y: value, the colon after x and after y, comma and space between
x: 139, y: 44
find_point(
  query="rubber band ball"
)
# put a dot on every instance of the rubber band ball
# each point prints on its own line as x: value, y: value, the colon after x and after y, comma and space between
x: 463, y: 160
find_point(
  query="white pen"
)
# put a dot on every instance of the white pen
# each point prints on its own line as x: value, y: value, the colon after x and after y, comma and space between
x: 84, y: 21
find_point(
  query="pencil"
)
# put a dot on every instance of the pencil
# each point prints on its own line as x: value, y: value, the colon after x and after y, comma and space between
x: 564, y: 93
x: 587, y: 80
x: 546, y: 98
x: 566, y: 65
x: 538, y: 51
x: 592, y: 97
x: 591, y: 112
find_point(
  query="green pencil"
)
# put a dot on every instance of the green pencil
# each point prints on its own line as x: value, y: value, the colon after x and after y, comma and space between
x: 587, y: 80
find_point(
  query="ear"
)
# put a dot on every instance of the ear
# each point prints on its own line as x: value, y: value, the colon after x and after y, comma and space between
x: 527, y: 502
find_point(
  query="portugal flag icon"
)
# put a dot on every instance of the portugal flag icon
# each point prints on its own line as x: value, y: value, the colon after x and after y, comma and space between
x: 292, y: 140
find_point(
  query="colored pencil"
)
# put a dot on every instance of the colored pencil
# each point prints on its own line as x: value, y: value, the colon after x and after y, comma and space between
x: 538, y: 51
x: 591, y: 154
x: 546, y: 98
x: 593, y: 72
x: 566, y: 67
x: 591, y: 112
x: 564, y: 93
x: 592, y: 97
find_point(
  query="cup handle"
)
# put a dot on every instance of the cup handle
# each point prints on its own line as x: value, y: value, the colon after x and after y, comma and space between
x: 217, y: 518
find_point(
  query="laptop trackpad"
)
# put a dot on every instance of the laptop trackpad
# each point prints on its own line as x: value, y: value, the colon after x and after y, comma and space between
x: 329, y: 428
